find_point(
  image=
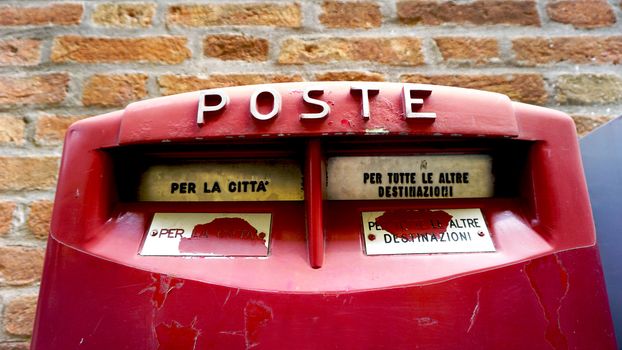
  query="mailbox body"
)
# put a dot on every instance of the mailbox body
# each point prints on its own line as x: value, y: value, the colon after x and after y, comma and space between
x: 542, y: 286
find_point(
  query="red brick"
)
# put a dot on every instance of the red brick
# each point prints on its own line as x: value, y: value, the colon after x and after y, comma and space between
x: 6, y: 217
x: 461, y: 49
x: 398, y: 51
x: 58, y: 14
x: 527, y: 88
x: 39, y: 216
x: 349, y: 76
x: 20, y: 52
x: 20, y: 265
x: 19, y: 315
x: 351, y: 14
x: 127, y: 15
x: 263, y: 14
x: 15, y: 345
x: 582, y: 49
x: 50, y: 129
x: 28, y: 173
x: 114, y: 90
x: 582, y: 13
x: 479, y: 12
x: 585, y: 124
x: 12, y: 130
x: 175, y: 84
x: 35, y: 89
x: 236, y: 47
x: 160, y: 49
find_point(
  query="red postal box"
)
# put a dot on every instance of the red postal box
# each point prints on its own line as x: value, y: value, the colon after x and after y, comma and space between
x: 323, y: 215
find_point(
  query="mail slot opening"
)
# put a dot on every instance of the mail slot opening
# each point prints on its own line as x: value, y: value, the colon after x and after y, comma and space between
x: 214, y: 199
x: 250, y: 186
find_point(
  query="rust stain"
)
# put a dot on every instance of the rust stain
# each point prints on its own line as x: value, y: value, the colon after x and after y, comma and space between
x: 161, y: 286
x: 256, y: 316
x: 549, y: 280
x: 404, y: 222
x: 175, y: 336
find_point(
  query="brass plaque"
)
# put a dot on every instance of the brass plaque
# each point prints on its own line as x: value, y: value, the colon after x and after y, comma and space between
x: 410, y: 177
x: 222, y: 181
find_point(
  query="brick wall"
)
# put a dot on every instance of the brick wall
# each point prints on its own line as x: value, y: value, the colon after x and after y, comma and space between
x: 63, y: 61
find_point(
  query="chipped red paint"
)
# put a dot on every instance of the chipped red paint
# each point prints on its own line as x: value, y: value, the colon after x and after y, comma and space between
x: 549, y: 280
x: 175, y: 336
x: 235, y: 228
x: 256, y: 316
x: 403, y: 222
x: 161, y: 286
x: 225, y: 236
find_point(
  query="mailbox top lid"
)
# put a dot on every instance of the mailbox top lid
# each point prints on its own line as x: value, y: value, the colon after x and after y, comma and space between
x: 458, y: 112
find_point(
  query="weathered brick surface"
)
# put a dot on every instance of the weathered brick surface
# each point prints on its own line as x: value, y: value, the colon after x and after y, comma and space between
x: 236, y: 47
x: 129, y: 15
x: 582, y: 13
x: 28, y: 173
x: 583, y: 49
x: 57, y: 14
x: 585, y: 124
x: 33, y: 89
x: 349, y: 76
x: 176, y: 84
x: 264, y: 14
x: 11, y: 130
x: 14, y: 345
x: 469, y: 49
x: 20, y: 52
x: 351, y: 14
x: 157, y: 49
x: 586, y: 89
x: 399, y: 51
x: 6, y: 217
x: 39, y: 215
x: 19, y: 315
x: 50, y: 129
x: 114, y: 90
x: 520, y: 87
x: 20, y: 265
x: 480, y: 12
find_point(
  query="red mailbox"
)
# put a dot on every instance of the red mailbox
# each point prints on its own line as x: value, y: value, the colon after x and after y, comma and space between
x: 323, y: 215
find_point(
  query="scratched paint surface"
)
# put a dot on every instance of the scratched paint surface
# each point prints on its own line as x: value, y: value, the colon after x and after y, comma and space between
x: 208, y: 234
x: 415, y: 231
x: 537, y: 304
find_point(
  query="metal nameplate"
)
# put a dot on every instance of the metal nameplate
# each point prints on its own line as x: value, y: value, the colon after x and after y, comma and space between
x: 410, y: 177
x: 208, y: 234
x: 424, y: 231
x: 222, y: 181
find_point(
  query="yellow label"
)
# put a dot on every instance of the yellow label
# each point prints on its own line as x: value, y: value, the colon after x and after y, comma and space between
x: 222, y: 181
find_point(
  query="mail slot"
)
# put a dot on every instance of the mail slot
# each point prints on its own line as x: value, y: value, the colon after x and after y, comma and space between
x: 333, y: 214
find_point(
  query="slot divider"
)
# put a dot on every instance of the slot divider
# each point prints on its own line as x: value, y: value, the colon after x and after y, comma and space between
x: 313, y: 189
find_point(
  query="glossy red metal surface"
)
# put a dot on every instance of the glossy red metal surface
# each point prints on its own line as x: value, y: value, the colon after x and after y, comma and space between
x: 313, y: 182
x: 542, y: 288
